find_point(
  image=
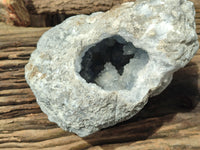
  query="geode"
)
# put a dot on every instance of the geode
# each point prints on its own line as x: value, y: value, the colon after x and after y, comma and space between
x: 94, y: 71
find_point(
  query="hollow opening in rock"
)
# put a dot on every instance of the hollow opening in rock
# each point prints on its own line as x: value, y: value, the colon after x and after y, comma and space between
x: 110, y: 63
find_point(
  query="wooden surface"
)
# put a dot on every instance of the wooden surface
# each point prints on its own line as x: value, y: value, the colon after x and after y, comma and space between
x: 14, y: 12
x: 69, y: 7
x: 72, y: 7
x: 45, y: 13
x: 169, y: 121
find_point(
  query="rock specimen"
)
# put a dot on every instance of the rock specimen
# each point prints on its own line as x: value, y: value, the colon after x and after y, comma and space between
x: 91, y: 72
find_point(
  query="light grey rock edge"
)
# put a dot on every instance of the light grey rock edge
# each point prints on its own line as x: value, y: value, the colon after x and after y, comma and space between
x: 164, y: 29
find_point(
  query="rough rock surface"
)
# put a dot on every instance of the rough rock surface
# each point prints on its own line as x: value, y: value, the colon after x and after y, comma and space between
x: 152, y: 38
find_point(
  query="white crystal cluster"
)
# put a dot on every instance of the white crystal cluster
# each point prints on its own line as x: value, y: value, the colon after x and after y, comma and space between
x: 156, y: 37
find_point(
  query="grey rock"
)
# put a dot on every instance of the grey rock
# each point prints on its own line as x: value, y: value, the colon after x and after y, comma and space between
x: 94, y: 71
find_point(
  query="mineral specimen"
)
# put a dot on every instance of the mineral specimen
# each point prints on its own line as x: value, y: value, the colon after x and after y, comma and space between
x: 93, y: 71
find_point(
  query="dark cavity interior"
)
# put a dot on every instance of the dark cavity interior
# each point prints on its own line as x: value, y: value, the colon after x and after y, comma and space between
x: 108, y: 50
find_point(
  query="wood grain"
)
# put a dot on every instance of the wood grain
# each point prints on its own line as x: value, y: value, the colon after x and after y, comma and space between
x: 168, y: 121
x: 50, y: 12
x: 74, y: 7
x: 14, y: 12
x: 69, y: 7
x: 47, y: 13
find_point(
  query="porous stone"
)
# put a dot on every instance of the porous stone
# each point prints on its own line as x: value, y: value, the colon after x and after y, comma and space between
x: 93, y: 71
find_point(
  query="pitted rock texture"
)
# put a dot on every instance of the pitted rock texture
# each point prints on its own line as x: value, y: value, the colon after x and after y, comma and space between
x: 91, y: 72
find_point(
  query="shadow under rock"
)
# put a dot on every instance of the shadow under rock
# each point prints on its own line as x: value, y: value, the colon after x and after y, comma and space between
x: 182, y: 95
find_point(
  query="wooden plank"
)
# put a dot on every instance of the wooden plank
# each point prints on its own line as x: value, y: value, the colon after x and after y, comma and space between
x: 14, y: 12
x: 74, y: 7
x: 69, y: 7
